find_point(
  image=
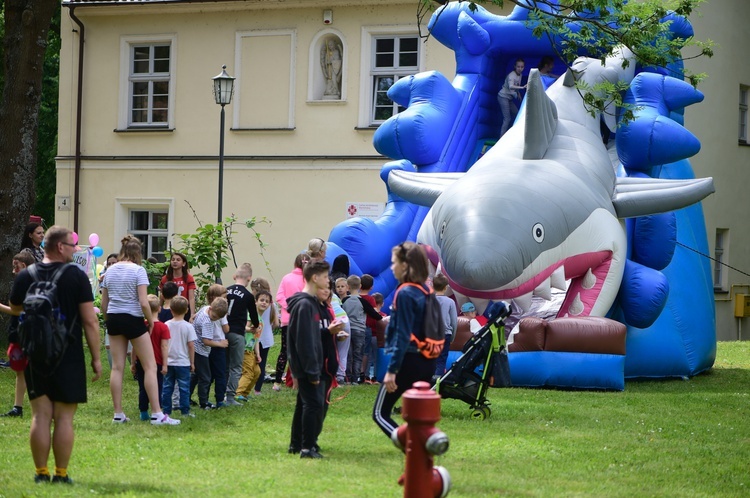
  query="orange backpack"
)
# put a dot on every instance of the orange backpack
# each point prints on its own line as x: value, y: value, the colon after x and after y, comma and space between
x: 432, y: 340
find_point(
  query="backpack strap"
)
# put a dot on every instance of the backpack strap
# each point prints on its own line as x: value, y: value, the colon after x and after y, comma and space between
x: 33, y: 273
x: 59, y: 272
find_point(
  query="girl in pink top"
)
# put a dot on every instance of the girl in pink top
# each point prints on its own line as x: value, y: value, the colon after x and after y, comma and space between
x: 291, y: 284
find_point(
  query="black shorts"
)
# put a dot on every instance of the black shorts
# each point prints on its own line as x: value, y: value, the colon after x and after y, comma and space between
x: 125, y: 324
x: 67, y: 384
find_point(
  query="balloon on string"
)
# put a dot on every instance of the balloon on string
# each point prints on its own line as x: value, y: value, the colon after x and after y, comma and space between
x: 75, y: 238
x: 97, y: 251
x: 93, y: 239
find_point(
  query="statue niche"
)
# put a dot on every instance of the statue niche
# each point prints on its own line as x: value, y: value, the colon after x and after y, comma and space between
x: 331, y: 63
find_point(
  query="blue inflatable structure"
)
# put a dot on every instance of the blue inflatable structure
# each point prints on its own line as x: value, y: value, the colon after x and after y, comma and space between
x: 444, y: 182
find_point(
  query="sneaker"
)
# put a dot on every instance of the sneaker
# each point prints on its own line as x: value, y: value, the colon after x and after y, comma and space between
x: 40, y: 478
x: 241, y: 398
x: 189, y: 415
x: 14, y: 412
x: 164, y: 420
x: 258, y: 393
x: 145, y: 416
x: 208, y: 406
x: 293, y: 450
x: 121, y: 419
x: 276, y: 387
x: 232, y: 402
x: 62, y: 480
x: 220, y: 404
x: 5, y: 364
x: 309, y: 454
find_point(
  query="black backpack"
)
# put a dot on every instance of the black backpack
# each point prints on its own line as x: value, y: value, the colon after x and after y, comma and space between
x: 42, y: 332
x: 432, y: 340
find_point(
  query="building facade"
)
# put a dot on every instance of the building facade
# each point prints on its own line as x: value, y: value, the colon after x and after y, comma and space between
x: 309, y: 93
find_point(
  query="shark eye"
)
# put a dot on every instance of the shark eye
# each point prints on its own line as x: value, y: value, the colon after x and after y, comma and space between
x: 538, y: 232
x: 442, y: 229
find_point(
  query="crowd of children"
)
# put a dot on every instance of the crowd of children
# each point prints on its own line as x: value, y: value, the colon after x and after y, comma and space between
x: 225, y: 342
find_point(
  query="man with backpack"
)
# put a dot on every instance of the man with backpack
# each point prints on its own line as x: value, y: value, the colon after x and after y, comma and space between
x: 54, y: 300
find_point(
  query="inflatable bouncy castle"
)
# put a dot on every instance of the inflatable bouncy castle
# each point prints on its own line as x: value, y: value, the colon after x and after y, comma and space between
x: 565, y: 199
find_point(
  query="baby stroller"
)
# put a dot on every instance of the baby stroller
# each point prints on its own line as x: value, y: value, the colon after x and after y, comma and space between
x: 483, y: 364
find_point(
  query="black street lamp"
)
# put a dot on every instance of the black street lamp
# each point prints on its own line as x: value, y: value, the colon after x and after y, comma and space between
x: 223, y: 89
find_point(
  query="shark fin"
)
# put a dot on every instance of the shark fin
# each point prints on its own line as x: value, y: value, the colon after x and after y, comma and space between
x: 420, y: 188
x: 570, y: 78
x: 645, y: 196
x: 540, y: 118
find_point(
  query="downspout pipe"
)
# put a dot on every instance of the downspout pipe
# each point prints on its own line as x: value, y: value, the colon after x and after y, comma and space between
x: 79, y: 117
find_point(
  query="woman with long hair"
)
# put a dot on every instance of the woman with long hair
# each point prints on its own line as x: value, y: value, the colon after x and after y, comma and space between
x: 407, y: 365
x: 128, y: 316
x: 291, y: 283
x: 31, y: 242
x: 179, y: 273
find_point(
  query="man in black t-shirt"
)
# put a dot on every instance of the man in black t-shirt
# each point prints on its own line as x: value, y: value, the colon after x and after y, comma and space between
x: 55, y: 397
x: 241, y: 303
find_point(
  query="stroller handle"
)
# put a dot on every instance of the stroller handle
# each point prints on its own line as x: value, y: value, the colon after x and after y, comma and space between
x: 501, y: 311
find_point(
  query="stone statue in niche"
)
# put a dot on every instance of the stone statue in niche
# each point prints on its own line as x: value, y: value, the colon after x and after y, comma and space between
x: 331, y: 63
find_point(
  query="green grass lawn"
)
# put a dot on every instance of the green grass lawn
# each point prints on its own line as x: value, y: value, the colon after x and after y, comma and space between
x: 657, y: 438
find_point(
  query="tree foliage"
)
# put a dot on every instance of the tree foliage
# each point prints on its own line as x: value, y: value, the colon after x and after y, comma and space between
x: 596, y: 28
x: 211, y: 246
x: 47, y: 150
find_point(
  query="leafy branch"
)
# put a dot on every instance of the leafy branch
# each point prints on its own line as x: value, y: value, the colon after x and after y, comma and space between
x: 596, y: 28
x: 209, y: 248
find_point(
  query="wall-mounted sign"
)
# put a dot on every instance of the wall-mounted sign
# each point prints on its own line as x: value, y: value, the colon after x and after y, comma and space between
x: 364, y: 209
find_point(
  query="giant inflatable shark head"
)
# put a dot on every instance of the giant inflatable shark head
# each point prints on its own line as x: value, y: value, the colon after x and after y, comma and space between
x: 544, y: 204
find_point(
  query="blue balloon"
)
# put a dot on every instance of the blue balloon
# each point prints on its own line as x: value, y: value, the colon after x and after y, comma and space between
x: 98, y: 251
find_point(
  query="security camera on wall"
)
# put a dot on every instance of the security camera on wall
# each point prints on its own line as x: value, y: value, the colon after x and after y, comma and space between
x: 327, y: 16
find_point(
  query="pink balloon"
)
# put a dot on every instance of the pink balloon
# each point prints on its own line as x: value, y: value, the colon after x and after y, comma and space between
x: 93, y: 239
x: 75, y: 238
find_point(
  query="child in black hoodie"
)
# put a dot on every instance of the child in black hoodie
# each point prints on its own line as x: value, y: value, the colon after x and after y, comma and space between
x: 307, y: 317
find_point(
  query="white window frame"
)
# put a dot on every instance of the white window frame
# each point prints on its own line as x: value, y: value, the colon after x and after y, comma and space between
x: 126, y: 62
x: 744, y: 137
x: 368, y: 71
x: 124, y: 206
x: 151, y: 232
x: 721, y: 255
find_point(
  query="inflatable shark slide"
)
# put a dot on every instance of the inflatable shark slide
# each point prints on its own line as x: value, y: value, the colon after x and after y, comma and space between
x: 550, y: 205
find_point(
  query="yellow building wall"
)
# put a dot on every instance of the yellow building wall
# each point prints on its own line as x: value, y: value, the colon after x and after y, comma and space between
x: 715, y: 123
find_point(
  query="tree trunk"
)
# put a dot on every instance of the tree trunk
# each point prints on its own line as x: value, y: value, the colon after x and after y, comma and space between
x: 26, y: 26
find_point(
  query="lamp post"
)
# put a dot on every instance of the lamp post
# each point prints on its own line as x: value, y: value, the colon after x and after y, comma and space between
x: 223, y: 89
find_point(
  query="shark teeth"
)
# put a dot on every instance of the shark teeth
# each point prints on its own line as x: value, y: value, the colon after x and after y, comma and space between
x: 523, y: 302
x: 589, y: 280
x: 576, y: 307
x: 557, y: 279
x: 544, y: 290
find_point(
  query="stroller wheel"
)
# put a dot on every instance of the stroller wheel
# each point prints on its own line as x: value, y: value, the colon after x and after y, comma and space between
x: 481, y: 412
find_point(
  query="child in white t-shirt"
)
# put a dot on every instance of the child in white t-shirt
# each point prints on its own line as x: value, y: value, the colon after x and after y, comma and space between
x: 181, y: 358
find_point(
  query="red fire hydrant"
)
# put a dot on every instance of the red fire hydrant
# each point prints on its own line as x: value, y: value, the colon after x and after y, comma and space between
x: 422, y: 441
